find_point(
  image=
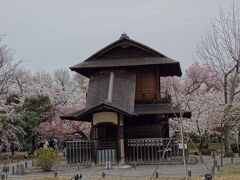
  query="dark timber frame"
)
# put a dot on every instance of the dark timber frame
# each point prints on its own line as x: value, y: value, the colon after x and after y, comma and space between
x: 127, y: 106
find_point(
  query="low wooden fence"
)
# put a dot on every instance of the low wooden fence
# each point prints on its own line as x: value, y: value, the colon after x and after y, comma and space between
x: 79, y: 152
x: 137, y: 151
x: 152, y: 150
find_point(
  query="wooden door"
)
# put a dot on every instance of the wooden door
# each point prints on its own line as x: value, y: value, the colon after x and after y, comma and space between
x: 146, y: 86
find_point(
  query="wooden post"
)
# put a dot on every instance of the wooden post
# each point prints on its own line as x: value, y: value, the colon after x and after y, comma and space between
x: 94, y: 151
x: 221, y: 144
x: 118, y: 140
x: 55, y: 174
x: 93, y: 144
x: 183, y: 150
x: 103, y: 174
x: 214, y: 161
x: 121, y: 153
x: 158, y: 84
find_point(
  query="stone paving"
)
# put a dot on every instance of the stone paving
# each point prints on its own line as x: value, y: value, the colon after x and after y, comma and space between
x: 176, y: 170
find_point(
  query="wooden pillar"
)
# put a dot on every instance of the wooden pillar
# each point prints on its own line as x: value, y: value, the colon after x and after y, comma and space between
x: 158, y: 82
x: 118, y: 140
x: 121, y: 153
x: 93, y: 143
x: 166, y: 126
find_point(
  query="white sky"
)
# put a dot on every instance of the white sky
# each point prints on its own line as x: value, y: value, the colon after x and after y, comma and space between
x: 51, y: 34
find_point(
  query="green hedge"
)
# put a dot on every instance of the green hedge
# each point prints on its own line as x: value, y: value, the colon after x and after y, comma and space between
x: 207, y: 151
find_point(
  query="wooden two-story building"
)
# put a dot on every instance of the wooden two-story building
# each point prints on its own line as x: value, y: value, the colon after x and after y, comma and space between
x: 128, y: 108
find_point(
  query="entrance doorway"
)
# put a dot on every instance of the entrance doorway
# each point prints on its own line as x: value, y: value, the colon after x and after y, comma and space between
x: 105, y: 136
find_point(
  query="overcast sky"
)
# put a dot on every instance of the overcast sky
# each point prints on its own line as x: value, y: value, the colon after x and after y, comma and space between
x: 51, y: 34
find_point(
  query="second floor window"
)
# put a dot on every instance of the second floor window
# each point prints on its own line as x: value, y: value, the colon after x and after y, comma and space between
x: 146, y: 85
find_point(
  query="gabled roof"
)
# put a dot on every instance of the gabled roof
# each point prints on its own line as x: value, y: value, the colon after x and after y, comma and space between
x: 125, y: 41
x: 141, y: 109
x: 126, y: 52
x: 85, y: 114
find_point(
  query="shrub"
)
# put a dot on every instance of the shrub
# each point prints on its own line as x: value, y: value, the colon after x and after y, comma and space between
x: 215, y: 138
x: 45, y: 158
x: 27, y: 146
x: 194, y: 137
x: 207, y: 151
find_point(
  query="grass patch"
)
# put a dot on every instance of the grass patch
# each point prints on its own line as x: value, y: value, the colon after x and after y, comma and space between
x: 215, y: 146
x: 8, y: 158
x: 230, y: 169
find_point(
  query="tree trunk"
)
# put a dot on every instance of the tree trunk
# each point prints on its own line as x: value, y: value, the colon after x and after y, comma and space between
x: 227, y: 146
x: 203, y: 143
x: 33, y: 141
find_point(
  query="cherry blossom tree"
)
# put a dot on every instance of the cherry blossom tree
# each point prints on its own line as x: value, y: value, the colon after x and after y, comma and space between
x: 7, y: 67
x: 21, y: 80
x: 220, y: 50
x: 197, y: 91
x: 10, y: 133
x: 67, y: 98
x: 64, y: 129
x: 66, y: 95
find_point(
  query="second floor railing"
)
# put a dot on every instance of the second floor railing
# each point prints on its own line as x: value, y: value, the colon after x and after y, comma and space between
x: 152, y: 97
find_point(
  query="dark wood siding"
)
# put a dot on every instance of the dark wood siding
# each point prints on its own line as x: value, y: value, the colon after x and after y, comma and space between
x: 146, y: 127
x: 125, y: 52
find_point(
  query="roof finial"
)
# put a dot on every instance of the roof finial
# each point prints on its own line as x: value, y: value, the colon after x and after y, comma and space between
x: 124, y: 35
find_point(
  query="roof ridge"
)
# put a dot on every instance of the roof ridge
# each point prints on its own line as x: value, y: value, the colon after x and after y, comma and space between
x: 124, y: 38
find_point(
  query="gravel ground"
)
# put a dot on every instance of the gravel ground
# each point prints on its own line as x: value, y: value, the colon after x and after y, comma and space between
x: 176, y: 170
